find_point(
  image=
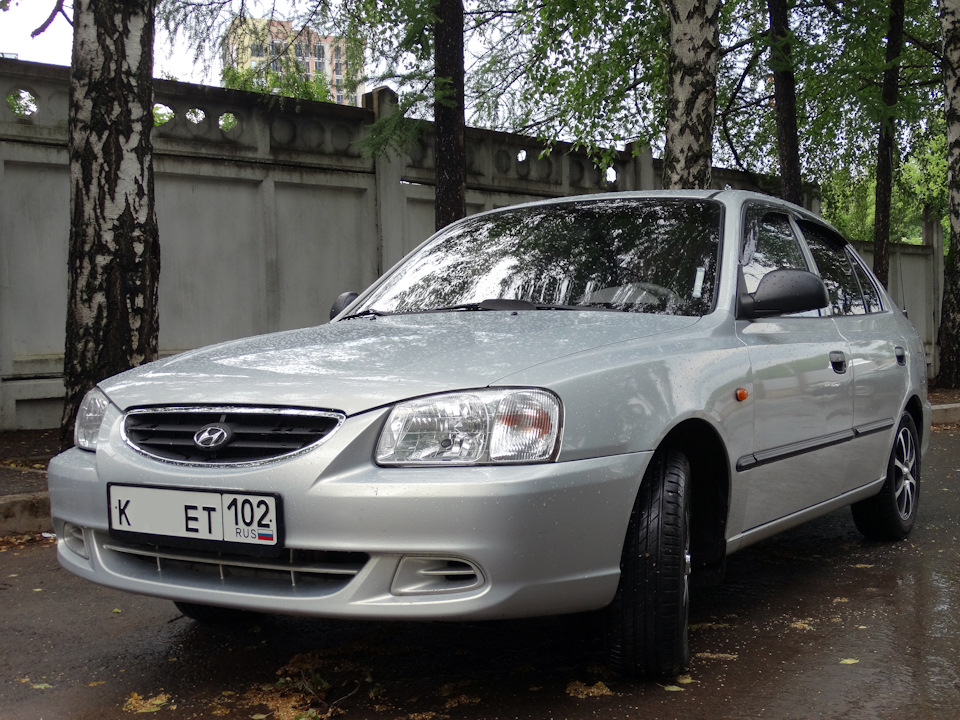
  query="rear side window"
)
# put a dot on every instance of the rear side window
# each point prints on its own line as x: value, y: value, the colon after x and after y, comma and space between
x: 836, y: 269
x: 769, y: 244
x: 871, y: 298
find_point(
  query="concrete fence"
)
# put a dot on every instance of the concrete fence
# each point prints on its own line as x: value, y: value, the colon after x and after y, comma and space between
x: 263, y: 224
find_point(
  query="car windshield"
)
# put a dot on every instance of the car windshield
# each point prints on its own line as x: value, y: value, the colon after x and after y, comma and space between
x: 635, y: 255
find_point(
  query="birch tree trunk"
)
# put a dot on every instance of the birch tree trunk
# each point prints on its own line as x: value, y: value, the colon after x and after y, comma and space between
x: 691, y: 92
x: 114, y: 253
x: 890, y: 93
x: 448, y: 115
x: 949, y: 337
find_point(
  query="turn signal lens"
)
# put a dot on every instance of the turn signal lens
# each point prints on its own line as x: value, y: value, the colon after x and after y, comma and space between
x: 89, y: 417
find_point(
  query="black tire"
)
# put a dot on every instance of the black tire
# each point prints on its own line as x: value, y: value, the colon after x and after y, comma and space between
x: 648, y: 621
x: 214, y: 615
x: 891, y: 513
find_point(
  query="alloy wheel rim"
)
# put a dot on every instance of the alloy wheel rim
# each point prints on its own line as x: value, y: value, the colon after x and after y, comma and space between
x: 905, y: 464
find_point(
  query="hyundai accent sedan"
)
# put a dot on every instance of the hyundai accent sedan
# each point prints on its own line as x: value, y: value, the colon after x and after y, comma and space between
x: 565, y: 406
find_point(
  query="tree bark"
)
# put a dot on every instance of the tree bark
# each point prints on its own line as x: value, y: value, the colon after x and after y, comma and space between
x: 890, y: 92
x: 114, y: 252
x: 785, y: 101
x: 691, y: 93
x: 449, y: 120
x: 949, y: 336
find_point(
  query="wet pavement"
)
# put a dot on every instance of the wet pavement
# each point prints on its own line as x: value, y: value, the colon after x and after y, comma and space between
x: 815, y: 623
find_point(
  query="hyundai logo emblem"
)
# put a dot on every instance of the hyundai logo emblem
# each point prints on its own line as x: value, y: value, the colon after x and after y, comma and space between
x: 212, y: 437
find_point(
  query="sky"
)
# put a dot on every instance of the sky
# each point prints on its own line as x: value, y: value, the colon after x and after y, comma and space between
x: 53, y: 46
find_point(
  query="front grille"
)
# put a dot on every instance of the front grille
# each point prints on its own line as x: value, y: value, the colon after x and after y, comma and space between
x: 310, y: 572
x: 253, y: 435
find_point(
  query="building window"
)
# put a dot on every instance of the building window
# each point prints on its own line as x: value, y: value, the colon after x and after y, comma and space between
x: 339, y: 98
x: 257, y: 49
x: 338, y: 68
x: 319, y: 52
x: 336, y: 52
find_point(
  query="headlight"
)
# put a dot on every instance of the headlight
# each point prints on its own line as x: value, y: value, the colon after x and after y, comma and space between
x: 89, y: 417
x: 469, y: 428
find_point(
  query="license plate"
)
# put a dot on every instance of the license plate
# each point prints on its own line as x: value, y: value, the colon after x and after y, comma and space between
x: 244, y: 520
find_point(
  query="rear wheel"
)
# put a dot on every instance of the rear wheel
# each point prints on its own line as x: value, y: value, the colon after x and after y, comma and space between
x: 648, y: 620
x: 891, y: 513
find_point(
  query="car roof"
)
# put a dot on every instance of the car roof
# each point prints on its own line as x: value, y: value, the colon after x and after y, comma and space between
x: 731, y: 198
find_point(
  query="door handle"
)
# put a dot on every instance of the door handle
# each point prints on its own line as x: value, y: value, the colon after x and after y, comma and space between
x: 901, y: 355
x: 839, y: 362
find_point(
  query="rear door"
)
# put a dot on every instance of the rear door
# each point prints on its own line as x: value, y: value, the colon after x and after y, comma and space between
x: 877, y: 351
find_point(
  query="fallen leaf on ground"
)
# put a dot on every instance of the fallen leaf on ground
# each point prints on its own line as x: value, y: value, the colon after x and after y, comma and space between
x: 717, y: 656
x: 580, y: 690
x: 137, y: 704
x: 849, y: 661
x: 461, y: 700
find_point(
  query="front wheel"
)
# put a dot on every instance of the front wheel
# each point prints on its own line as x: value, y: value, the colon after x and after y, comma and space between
x: 648, y: 620
x: 891, y: 513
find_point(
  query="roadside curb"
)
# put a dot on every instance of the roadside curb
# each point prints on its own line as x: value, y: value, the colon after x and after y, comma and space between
x: 946, y: 414
x: 30, y: 512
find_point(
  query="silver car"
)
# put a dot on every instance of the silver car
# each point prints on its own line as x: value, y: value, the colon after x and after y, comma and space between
x: 557, y: 407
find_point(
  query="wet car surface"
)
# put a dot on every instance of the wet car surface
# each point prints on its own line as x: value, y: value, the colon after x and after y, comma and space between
x: 561, y: 407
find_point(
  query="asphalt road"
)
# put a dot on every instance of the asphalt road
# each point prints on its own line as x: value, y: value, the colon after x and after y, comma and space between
x: 815, y: 623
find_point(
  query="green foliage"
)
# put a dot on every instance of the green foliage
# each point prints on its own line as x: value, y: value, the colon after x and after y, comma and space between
x: 397, y: 37
x: 161, y: 114
x: 839, y: 56
x: 589, y: 71
x: 22, y: 103
x: 290, y: 81
x: 848, y: 196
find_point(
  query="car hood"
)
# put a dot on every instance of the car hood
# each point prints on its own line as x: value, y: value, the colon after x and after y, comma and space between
x: 359, y: 364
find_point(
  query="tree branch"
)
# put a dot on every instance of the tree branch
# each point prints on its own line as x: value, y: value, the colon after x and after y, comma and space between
x: 57, y: 9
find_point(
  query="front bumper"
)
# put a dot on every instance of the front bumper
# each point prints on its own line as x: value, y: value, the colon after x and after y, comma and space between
x: 365, y: 541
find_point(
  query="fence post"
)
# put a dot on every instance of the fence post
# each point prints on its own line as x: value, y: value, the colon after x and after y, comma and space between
x: 390, y: 203
x: 932, y: 234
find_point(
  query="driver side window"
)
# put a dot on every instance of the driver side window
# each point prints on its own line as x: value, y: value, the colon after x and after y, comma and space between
x: 769, y: 243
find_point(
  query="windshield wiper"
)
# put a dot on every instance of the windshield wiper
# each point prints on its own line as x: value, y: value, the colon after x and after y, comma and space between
x: 572, y: 307
x: 511, y: 305
x: 491, y: 304
x: 502, y: 304
x: 369, y: 312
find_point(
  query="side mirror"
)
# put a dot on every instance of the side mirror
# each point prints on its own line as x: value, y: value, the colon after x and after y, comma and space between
x: 343, y: 299
x: 782, y: 292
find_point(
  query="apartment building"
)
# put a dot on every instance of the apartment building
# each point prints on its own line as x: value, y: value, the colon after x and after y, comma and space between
x: 252, y: 42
